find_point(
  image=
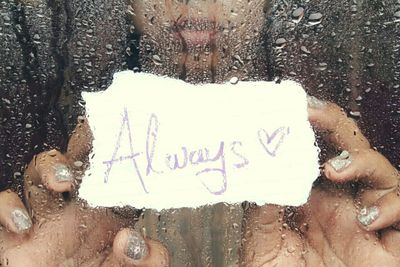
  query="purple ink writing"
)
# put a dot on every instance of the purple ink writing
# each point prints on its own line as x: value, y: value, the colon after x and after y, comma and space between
x: 266, y: 140
x: 173, y: 161
x: 244, y: 161
x: 197, y: 157
x: 204, y: 161
x: 132, y: 156
x: 219, y: 156
x: 151, y: 140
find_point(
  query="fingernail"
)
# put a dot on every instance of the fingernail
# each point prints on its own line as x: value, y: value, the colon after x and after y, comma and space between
x: 62, y: 173
x: 136, y: 247
x: 21, y: 220
x: 368, y: 215
x: 315, y: 103
x: 342, y: 161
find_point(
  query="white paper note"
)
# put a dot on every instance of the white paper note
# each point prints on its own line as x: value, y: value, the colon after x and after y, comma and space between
x: 163, y: 143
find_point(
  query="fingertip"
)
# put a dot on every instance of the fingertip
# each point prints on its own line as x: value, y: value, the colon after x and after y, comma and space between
x: 342, y: 168
x: 60, y: 178
x: 54, y: 172
x: 327, y: 170
x: 342, y: 130
x: 368, y: 218
x: 315, y: 103
x: 13, y: 214
x: 312, y: 115
x: 335, y: 176
x: 384, y: 213
x: 132, y: 249
x: 129, y: 246
x: 317, y: 109
x: 60, y: 187
x: 366, y: 166
x: 22, y: 223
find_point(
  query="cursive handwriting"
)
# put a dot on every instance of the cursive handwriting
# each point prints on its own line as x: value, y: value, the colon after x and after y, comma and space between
x: 205, y: 159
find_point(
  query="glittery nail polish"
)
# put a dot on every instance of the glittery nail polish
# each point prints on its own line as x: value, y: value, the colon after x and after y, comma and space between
x: 315, y: 103
x: 342, y: 161
x: 21, y: 220
x: 367, y: 216
x: 63, y: 173
x: 136, y: 246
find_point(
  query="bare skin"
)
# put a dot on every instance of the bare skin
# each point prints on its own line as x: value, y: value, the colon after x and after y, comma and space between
x: 324, y: 232
x: 55, y: 230
x: 327, y: 230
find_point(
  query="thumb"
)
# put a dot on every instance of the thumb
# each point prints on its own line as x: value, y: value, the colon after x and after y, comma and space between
x: 132, y: 250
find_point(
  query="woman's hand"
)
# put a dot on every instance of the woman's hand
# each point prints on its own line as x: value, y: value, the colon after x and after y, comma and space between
x: 54, y: 228
x: 350, y: 218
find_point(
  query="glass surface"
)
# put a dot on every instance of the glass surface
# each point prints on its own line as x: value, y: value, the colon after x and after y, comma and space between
x: 342, y: 52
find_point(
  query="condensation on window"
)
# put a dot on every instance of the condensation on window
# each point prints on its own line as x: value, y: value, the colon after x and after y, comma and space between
x: 343, y: 52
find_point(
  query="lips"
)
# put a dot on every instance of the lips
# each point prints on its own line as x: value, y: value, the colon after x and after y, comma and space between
x: 196, y: 31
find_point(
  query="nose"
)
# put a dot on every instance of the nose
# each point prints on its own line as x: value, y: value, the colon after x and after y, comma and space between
x: 195, y: 8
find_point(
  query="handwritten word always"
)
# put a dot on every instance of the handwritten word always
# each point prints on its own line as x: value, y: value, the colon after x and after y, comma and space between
x: 205, y: 159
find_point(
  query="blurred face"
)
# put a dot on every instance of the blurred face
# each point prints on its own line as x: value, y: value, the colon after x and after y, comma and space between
x: 201, y: 40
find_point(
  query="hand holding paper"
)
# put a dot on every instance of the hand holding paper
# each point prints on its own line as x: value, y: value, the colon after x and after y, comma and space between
x: 162, y: 143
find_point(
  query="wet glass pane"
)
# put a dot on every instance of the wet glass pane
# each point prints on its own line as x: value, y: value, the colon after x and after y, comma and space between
x: 341, y: 52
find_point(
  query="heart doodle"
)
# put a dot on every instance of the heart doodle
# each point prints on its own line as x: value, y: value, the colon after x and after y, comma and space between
x: 267, y: 141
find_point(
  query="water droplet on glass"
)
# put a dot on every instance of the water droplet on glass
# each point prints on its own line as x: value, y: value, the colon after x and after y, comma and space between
x: 355, y: 113
x: 315, y: 18
x: 234, y: 80
x: 304, y: 49
x: 78, y: 163
x: 157, y: 60
x: 5, y: 100
x: 322, y: 66
x: 291, y: 249
x: 298, y: 12
x: 17, y: 175
x: 128, y: 51
x: 239, y: 59
x: 36, y: 38
x: 280, y: 42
